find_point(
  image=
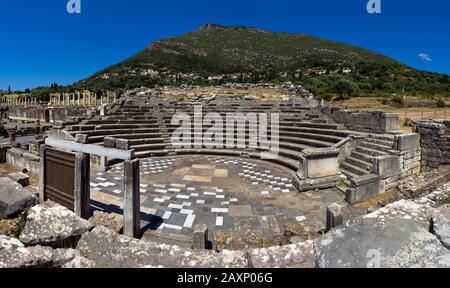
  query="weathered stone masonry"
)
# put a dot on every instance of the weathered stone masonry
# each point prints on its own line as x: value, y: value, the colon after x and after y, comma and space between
x: 435, y: 142
x: 369, y: 121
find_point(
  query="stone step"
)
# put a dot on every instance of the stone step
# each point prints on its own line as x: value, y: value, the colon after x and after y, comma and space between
x: 383, y: 137
x: 315, y: 136
x: 363, y: 157
x: 369, y: 151
x: 359, y: 163
x: 108, y: 132
x: 284, y: 161
x: 98, y: 139
x: 348, y: 173
x: 374, y: 146
x: 320, y: 131
x: 125, y: 126
x: 141, y: 141
x: 153, y: 153
x: 379, y: 142
x: 354, y: 169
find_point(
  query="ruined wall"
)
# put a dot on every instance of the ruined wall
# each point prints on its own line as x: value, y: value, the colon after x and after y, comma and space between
x: 368, y: 121
x: 23, y: 159
x: 43, y: 114
x: 435, y: 142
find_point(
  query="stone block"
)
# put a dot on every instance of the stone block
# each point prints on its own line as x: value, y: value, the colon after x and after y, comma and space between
x: 50, y: 224
x: 200, y: 240
x: 387, y: 165
x: 109, y: 142
x: 82, y: 138
x: 392, y: 237
x: 14, y: 199
x: 364, y: 188
x: 407, y: 141
x: 122, y: 144
x: 319, y: 163
x: 334, y: 216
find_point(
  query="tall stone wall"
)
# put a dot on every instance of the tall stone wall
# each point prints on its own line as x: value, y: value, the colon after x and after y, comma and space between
x: 368, y: 121
x: 435, y: 142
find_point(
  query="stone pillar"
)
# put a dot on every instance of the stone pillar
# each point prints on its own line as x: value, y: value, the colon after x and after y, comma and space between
x: 334, y: 216
x: 12, y: 136
x: 82, y: 185
x: 200, y: 241
x: 41, y: 173
x: 131, y: 201
x: 78, y: 99
x: 108, y: 142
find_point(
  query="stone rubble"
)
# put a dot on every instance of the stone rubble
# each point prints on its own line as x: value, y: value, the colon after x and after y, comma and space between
x: 14, y: 254
x: 14, y: 199
x: 300, y: 255
x: 109, y: 220
x: 394, y: 236
x: 441, y: 225
x: 109, y: 249
x: 53, y: 225
x: 405, y: 233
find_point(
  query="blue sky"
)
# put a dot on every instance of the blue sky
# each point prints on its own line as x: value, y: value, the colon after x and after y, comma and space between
x: 41, y: 43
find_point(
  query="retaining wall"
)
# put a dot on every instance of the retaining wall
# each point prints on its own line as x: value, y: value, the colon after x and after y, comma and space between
x: 367, y: 121
x: 434, y: 141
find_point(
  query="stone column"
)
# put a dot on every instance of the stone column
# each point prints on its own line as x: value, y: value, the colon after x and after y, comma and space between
x: 82, y: 193
x: 200, y: 240
x: 334, y: 216
x: 11, y: 136
x: 108, y: 142
x: 41, y: 172
x: 78, y: 99
x: 131, y: 201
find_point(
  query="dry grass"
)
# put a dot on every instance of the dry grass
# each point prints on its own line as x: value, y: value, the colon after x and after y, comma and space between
x: 6, y: 169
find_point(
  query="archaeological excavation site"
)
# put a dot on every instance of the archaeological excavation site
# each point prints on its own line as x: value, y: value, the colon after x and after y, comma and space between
x: 220, y: 177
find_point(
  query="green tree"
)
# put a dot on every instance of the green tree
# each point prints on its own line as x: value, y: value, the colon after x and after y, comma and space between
x: 345, y: 87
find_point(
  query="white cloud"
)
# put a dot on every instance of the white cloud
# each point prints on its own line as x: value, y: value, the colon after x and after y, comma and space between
x: 425, y: 57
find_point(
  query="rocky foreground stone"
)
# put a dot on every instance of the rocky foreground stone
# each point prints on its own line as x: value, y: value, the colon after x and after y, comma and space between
x: 405, y: 233
x: 395, y: 236
x: 50, y: 224
x: 109, y: 249
x: 14, y: 199
x: 441, y: 225
x: 14, y: 254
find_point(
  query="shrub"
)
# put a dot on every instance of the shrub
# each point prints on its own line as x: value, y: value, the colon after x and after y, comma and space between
x: 440, y: 103
x: 399, y: 100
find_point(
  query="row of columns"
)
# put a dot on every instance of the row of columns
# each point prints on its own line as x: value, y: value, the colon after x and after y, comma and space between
x: 19, y: 102
x: 77, y: 100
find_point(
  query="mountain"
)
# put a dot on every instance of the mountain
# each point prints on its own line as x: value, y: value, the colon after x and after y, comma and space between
x: 216, y: 53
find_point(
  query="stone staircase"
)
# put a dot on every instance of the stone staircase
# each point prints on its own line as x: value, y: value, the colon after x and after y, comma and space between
x: 360, y: 160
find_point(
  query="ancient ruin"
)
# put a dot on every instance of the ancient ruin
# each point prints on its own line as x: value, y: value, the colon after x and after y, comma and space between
x: 290, y: 181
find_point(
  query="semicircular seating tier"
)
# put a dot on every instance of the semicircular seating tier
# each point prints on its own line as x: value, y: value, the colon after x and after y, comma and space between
x: 147, y: 127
